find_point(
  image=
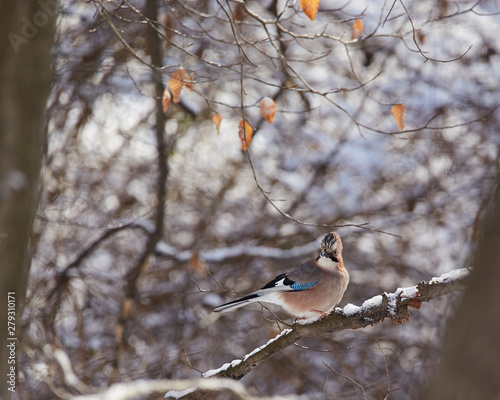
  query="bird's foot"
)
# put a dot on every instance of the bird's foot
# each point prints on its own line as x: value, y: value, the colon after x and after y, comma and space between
x: 323, y: 314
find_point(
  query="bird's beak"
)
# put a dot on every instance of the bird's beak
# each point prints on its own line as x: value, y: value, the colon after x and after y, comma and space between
x: 331, y: 256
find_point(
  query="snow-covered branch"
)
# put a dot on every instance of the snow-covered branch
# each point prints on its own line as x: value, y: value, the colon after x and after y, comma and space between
x: 387, y: 305
x: 129, y: 390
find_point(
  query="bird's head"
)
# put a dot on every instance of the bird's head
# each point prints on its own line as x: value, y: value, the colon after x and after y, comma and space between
x: 331, y: 247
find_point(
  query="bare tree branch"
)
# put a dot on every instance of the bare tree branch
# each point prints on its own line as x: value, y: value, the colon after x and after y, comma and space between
x: 116, y: 283
x: 129, y: 390
x: 161, y: 189
x: 388, y: 305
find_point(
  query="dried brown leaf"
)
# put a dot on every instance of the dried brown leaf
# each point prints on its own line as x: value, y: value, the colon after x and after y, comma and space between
x: 176, y: 83
x: 398, y: 112
x: 217, y: 119
x: 168, y: 25
x: 238, y: 13
x: 310, y: 8
x: 421, y: 37
x: 268, y: 109
x: 245, y: 134
x: 196, y: 264
x: 357, y: 29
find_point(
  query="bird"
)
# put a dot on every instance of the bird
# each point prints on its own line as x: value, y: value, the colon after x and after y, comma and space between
x: 311, y: 291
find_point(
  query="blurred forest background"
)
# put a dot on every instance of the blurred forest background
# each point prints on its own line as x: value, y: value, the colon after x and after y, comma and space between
x: 147, y: 219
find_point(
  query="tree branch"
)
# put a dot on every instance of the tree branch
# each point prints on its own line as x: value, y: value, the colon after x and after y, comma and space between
x: 143, y: 387
x: 374, y: 310
x: 388, y: 305
x: 163, y: 172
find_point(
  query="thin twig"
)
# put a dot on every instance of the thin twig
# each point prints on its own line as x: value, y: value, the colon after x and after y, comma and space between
x: 348, y: 378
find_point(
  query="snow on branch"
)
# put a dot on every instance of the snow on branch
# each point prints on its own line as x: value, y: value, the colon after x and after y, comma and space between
x: 387, y: 305
x: 130, y: 390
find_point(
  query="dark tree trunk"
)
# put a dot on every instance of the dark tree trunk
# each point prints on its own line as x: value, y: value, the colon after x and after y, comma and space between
x: 470, y: 365
x: 26, y: 35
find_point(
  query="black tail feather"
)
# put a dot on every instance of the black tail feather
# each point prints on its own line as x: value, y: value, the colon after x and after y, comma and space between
x: 235, y: 303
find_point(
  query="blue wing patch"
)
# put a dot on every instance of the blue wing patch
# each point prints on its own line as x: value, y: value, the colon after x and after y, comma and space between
x: 303, y: 286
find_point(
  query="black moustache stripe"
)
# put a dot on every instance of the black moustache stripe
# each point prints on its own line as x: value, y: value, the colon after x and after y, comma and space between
x: 333, y: 258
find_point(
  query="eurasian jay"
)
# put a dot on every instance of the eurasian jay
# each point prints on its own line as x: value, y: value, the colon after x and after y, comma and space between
x: 311, y: 290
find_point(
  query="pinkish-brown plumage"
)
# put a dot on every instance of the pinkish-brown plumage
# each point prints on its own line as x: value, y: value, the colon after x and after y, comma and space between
x: 310, y: 291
